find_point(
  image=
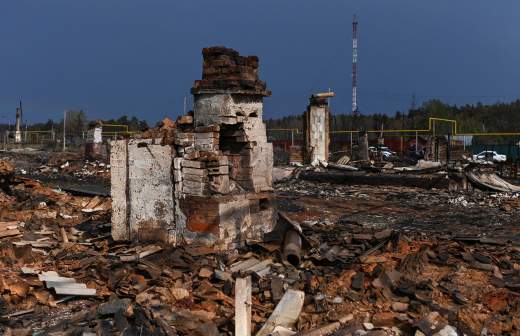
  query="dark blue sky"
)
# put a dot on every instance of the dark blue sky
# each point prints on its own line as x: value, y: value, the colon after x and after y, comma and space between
x: 140, y: 57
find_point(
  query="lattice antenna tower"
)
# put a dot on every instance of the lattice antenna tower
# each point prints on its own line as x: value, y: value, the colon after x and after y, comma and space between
x: 355, y: 109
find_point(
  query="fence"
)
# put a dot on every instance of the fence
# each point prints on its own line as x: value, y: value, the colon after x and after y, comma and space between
x: 406, y: 143
x: 53, y: 140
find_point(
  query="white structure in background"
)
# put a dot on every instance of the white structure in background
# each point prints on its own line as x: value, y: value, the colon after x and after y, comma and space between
x: 18, y: 131
x: 94, y: 148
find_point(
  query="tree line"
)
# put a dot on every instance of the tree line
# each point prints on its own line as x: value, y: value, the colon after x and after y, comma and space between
x: 476, y: 118
x: 471, y: 118
x: 76, y: 122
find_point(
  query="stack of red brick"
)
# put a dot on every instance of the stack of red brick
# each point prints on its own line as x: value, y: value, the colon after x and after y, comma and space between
x: 225, y: 69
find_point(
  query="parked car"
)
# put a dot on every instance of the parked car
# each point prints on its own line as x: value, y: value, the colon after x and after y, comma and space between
x: 490, y: 156
x: 385, y: 152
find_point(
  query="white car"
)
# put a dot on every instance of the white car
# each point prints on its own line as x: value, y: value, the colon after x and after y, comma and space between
x: 387, y: 154
x: 489, y: 156
x: 384, y: 151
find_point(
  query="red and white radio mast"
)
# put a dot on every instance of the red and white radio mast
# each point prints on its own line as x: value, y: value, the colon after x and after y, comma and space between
x: 355, y: 110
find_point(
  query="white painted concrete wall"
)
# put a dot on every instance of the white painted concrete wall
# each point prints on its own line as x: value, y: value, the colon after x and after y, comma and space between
x: 142, y: 190
x: 150, y: 189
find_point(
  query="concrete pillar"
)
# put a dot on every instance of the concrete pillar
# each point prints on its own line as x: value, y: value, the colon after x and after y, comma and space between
x: 316, y: 128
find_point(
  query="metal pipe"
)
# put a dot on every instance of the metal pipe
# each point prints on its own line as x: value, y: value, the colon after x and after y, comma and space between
x: 292, y: 247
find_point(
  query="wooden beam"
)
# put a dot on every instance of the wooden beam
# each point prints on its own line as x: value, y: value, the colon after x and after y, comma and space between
x: 243, y: 307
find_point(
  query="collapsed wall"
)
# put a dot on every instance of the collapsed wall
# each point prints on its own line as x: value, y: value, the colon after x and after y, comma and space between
x: 207, y: 178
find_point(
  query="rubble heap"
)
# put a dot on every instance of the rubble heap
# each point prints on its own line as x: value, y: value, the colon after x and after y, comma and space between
x: 54, y: 166
x: 208, y: 178
x: 6, y: 173
x: 6, y: 176
x: 373, y: 265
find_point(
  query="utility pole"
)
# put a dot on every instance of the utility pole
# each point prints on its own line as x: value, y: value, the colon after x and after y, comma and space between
x: 21, y: 120
x: 402, y: 140
x: 21, y: 110
x: 184, y: 105
x: 64, y: 123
